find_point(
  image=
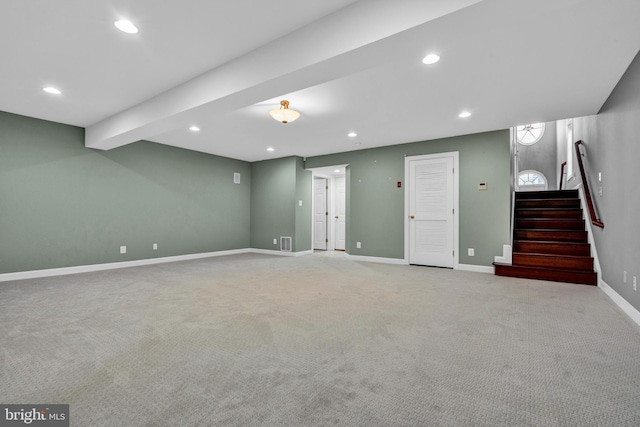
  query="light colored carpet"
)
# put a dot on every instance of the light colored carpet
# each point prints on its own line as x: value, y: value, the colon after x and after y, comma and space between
x: 256, y: 340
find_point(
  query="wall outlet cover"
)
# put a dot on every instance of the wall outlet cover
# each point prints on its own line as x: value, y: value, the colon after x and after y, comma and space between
x: 123, y: 249
x: 359, y: 245
x: 471, y: 252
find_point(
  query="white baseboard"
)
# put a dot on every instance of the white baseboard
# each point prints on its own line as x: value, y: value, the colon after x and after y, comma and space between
x: 620, y: 302
x: 476, y: 268
x: 20, y: 275
x: 279, y: 253
x: 507, y: 255
x: 381, y: 260
x: 35, y: 274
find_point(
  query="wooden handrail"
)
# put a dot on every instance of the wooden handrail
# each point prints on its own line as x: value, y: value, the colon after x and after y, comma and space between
x: 562, y: 174
x: 592, y: 212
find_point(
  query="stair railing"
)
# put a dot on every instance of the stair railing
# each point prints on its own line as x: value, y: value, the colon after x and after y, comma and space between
x: 562, y: 174
x: 587, y: 193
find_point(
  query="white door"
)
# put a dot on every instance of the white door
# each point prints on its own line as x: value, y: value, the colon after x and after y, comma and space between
x: 320, y: 214
x: 340, y: 192
x: 431, y: 214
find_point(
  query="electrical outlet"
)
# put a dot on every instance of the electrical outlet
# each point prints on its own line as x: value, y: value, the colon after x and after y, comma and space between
x: 275, y: 241
x: 600, y: 191
x: 359, y: 245
x: 299, y: 202
x: 635, y: 283
x: 471, y: 252
x: 624, y: 277
x: 123, y: 249
x: 155, y: 246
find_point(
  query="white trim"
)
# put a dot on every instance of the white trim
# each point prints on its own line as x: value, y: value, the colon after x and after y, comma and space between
x: 456, y: 201
x: 381, y: 260
x: 328, y: 173
x: 591, y: 239
x: 280, y: 253
x: 507, y: 255
x: 63, y: 271
x: 34, y: 274
x: 620, y: 302
x: 475, y: 268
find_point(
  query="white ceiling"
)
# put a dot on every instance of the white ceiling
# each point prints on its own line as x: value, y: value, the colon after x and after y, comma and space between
x: 346, y: 65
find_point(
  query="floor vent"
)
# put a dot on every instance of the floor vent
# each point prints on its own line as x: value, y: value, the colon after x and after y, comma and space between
x: 285, y: 244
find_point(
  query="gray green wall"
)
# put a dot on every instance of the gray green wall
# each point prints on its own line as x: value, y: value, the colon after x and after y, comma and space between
x: 375, y: 205
x: 276, y: 187
x: 62, y: 204
x: 66, y: 205
x: 612, y: 146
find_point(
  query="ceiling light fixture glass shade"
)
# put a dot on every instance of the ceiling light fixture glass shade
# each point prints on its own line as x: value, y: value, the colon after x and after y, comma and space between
x: 284, y: 114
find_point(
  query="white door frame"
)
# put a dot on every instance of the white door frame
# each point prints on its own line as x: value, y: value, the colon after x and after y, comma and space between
x: 456, y: 213
x: 327, y: 172
x: 325, y: 217
x: 333, y: 212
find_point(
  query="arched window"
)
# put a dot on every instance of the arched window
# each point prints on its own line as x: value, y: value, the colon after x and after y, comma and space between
x: 531, y: 180
x: 529, y: 134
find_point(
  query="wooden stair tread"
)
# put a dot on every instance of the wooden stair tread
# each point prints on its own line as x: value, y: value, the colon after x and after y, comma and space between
x: 552, y: 247
x: 549, y: 224
x: 539, y: 255
x: 546, y: 273
x: 550, y: 240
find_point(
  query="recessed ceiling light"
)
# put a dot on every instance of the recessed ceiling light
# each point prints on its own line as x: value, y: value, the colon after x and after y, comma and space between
x: 464, y: 114
x: 271, y: 149
x: 53, y: 90
x: 126, y: 26
x: 352, y: 134
x: 194, y: 129
x: 432, y: 58
x: 337, y: 171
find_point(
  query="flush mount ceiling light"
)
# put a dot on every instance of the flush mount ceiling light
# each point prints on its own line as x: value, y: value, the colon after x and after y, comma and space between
x: 194, y: 129
x: 52, y: 90
x: 432, y: 58
x: 271, y: 149
x: 352, y: 134
x: 464, y: 114
x: 126, y: 26
x: 284, y: 114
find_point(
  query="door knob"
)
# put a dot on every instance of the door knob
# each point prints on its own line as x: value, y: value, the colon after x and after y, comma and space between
x: 337, y: 217
x: 411, y: 217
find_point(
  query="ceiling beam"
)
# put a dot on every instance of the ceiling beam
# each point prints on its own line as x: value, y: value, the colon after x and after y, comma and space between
x: 336, y: 46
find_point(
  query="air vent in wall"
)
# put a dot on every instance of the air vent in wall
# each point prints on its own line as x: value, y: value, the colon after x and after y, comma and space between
x: 285, y: 244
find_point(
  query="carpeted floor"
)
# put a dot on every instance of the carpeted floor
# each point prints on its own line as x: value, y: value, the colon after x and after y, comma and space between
x: 256, y: 340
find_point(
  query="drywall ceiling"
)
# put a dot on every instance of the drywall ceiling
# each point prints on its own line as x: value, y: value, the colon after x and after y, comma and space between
x: 345, y: 65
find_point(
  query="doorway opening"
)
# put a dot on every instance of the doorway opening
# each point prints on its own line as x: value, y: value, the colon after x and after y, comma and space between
x: 329, y: 222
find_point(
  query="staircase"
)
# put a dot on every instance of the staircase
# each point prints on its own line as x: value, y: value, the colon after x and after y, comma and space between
x: 549, y: 239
